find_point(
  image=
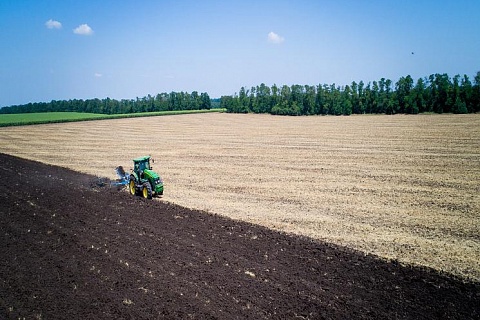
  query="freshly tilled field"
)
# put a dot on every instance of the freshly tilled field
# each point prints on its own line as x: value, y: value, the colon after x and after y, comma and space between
x: 72, y: 248
x: 401, y: 187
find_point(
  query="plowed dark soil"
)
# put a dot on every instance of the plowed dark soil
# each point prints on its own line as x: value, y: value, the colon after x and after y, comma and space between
x: 71, y: 249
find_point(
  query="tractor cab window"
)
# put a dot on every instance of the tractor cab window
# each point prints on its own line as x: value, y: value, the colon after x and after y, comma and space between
x: 143, y: 165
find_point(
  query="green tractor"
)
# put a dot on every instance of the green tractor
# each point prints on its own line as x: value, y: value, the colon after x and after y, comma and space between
x: 143, y: 180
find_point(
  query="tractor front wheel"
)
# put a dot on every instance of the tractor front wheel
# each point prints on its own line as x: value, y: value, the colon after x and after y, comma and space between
x: 132, y: 187
x: 147, y: 190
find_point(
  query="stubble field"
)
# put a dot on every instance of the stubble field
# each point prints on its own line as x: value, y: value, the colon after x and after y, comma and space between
x: 401, y: 187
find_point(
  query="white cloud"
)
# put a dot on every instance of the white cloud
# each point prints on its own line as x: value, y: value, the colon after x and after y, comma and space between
x: 83, y: 29
x: 275, y: 38
x: 53, y: 24
x: 98, y: 75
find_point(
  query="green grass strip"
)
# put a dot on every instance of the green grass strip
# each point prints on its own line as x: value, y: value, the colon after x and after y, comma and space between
x: 21, y: 119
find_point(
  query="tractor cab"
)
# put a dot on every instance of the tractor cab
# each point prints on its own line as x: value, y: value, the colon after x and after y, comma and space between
x: 140, y: 164
x: 143, y: 180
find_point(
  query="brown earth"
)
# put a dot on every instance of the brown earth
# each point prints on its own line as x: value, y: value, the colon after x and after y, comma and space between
x: 73, y: 249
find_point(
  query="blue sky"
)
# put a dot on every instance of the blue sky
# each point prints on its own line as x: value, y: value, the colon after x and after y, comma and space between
x: 65, y: 49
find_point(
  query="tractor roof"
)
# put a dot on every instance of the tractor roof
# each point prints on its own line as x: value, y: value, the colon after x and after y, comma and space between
x: 141, y: 159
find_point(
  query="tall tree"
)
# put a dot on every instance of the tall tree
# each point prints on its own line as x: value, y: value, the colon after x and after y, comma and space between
x: 205, y: 102
x: 418, y: 103
x: 361, y: 97
x: 441, y: 83
x: 355, y: 99
x: 320, y: 99
x: 404, y: 94
x: 263, y: 98
x: 346, y: 101
x: 309, y: 96
x: 476, y: 93
x: 466, y: 93
x: 243, y: 101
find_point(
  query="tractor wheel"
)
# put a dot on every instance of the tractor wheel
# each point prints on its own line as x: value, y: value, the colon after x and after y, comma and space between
x: 147, y: 190
x: 132, y: 187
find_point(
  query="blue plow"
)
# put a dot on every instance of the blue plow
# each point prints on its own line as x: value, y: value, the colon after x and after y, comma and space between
x: 123, y: 177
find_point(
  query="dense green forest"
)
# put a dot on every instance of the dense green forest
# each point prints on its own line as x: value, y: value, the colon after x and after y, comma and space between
x: 173, y: 101
x: 437, y: 93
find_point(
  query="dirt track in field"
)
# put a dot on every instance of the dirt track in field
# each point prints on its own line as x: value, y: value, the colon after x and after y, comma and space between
x: 71, y: 249
x: 401, y: 187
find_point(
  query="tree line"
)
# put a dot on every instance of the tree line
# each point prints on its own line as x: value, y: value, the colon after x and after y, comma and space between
x: 172, y: 101
x: 437, y: 93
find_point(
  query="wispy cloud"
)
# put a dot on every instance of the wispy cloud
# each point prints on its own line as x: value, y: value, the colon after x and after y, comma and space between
x: 53, y: 24
x: 98, y: 75
x: 275, y: 38
x: 83, y: 29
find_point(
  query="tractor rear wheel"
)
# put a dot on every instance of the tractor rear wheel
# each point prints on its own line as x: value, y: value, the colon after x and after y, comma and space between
x: 132, y: 187
x: 147, y: 190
